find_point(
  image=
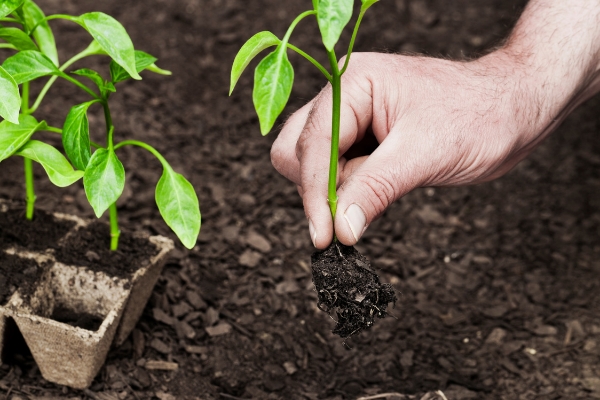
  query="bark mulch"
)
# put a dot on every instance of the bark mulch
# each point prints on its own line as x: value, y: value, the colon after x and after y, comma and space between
x: 498, y: 285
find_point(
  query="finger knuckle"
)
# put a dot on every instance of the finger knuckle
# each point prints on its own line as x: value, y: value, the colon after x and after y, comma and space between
x: 382, y: 190
x: 278, y: 156
x: 300, y: 145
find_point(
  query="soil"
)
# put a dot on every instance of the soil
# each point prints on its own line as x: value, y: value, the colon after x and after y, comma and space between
x: 90, y: 247
x: 38, y: 234
x: 80, y: 320
x: 349, y: 288
x: 498, y: 289
x: 16, y: 272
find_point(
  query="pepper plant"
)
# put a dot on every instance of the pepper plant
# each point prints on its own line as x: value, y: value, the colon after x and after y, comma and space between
x: 25, y: 29
x: 274, y: 75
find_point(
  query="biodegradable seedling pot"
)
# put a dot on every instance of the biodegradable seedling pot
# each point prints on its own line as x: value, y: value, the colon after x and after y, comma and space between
x: 70, y: 315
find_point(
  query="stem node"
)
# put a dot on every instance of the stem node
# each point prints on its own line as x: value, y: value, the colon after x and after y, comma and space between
x: 115, y: 233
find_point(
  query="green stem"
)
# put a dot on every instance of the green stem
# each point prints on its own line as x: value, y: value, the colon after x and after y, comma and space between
x: 295, y: 22
x: 109, y: 126
x: 115, y: 232
x: 7, y: 46
x: 27, y: 162
x: 145, y: 146
x: 9, y: 19
x: 354, y: 33
x: 81, y: 85
x: 29, y: 187
x: 312, y: 60
x: 25, y: 98
x: 51, y: 17
x: 53, y: 129
x: 336, y: 83
x: 284, y: 42
x: 154, y: 152
x: 52, y: 79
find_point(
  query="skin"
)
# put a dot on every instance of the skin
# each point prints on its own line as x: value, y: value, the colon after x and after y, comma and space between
x: 437, y: 123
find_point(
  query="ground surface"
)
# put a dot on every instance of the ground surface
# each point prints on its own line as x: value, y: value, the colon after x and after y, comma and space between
x: 498, y: 283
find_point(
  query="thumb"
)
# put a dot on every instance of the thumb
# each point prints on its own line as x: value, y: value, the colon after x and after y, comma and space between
x: 313, y: 152
x: 372, y: 187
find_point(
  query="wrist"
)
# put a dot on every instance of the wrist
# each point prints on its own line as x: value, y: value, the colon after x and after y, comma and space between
x: 540, y: 92
x: 551, y: 60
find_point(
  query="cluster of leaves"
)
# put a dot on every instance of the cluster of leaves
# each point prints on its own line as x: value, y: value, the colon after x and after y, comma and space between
x: 25, y: 29
x: 274, y: 75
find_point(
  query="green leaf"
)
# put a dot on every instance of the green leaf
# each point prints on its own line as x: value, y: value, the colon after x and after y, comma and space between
x: 10, y: 99
x: 179, y: 206
x: 76, y: 135
x: 142, y: 61
x: 17, y: 38
x: 273, y: 80
x: 8, y: 6
x: 28, y: 65
x: 254, y: 45
x: 14, y: 136
x: 104, y: 85
x: 333, y: 16
x: 113, y: 38
x: 95, y: 49
x: 43, y: 35
x: 60, y: 172
x: 103, y: 180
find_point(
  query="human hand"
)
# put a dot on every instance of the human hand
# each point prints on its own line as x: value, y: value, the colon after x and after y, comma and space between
x: 433, y: 122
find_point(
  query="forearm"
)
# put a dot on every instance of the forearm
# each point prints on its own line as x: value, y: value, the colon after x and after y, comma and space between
x: 555, y: 52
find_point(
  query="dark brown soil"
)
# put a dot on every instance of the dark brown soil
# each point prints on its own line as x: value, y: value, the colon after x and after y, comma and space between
x: 79, y: 320
x: 37, y: 234
x: 17, y: 272
x: 90, y: 247
x: 498, y: 286
x: 349, y: 289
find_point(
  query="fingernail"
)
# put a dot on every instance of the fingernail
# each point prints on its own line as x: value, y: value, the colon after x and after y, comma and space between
x: 356, y: 220
x: 313, y: 232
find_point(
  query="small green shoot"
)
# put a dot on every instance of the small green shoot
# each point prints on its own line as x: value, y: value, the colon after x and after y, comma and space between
x: 274, y: 75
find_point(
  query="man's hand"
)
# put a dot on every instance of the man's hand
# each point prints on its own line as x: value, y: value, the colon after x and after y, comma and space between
x: 410, y: 122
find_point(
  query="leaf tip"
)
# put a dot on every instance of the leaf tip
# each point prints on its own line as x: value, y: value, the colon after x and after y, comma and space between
x: 13, y: 119
x: 98, y: 212
x: 189, y: 242
x: 265, y: 130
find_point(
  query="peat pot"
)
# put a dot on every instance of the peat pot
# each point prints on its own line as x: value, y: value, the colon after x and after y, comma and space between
x: 69, y: 313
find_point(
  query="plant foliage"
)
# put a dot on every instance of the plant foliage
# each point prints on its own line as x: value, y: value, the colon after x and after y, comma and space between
x: 31, y: 54
x: 274, y: 75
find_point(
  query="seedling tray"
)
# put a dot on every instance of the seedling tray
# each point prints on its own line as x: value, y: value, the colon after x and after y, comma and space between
x: 71, y: 315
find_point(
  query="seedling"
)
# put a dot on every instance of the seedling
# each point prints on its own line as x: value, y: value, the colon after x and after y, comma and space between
x: 274, y: 75
x: 343, y: 278
x: 26, y: 29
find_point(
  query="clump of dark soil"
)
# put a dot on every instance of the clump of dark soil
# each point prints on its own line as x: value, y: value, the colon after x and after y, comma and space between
x: 77, y: 319
x: 15, y: 273
x: 347, y: 285
x: 90, y: 247
x: 40, y: 233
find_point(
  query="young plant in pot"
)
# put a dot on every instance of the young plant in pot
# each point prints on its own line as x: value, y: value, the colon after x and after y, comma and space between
x: 115, y: 297
x: 345, y: 282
